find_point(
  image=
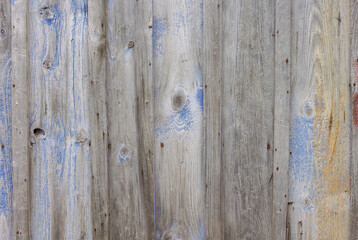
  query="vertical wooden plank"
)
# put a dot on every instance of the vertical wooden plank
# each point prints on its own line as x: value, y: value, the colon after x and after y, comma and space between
x: 6, y: 185
x: 98, y: 117
x: 178, y: 147
x: 60, y: 169
x: 281, y: 118
x: 301, y: 174
x: 332, y: 130
x: 247, y: 123
x: 320, y: 137
x: 212, y: 91
x: 354, y: 119
x: 20, y: 122
x: 129, y: 100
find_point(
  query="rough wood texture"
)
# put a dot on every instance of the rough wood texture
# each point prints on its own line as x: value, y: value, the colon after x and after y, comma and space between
x: 212, y: 92
x: 178, y: 119
x: 20, y: 123
x: 58, y: 121
x: 282, y: 90
x: 98, y: 118
x: 6, y: 183
x: 178, y: 146
x: 247, y: 118
x: 130, y: 136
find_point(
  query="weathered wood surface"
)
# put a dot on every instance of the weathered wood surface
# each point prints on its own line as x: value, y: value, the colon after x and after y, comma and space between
x: 178, y: 119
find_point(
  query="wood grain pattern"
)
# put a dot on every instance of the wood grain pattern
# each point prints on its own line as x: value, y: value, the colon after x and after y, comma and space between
x: 129, y: 86
x: 354, y: 118
x: 247, y: 118
x: 320, y: 139
x: 6, y: 183
x: 213, y: 97
x: 281, y: 118
x: 20, y: 122
x: 60, y: 164
x: 98, y: 118
x: 178, y: 146
x: 178, y: 119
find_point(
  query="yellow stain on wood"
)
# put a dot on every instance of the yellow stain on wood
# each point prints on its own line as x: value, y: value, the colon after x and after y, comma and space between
x: 332, y: 141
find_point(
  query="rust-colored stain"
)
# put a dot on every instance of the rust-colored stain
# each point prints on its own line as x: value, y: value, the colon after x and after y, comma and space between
x: 355, y: 109
x: 331, y: 140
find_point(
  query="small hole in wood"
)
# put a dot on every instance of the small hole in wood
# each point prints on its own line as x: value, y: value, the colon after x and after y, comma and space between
x: 39, y: 132
x: 161, y: 144
x: 268, y: 147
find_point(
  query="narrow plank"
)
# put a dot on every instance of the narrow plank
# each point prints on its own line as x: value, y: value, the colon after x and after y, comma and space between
x: 301, y: 170
x: 320, y: 140
x: 6, y: 185
x: 332, y: 130
x: 129, y: 87
x: 98, y: 117
x: 281, y: 118
x: 247, y: 118
x: 212, y: 70
x: 144, y: 95
x: 59, y: 111
x: 354, y: 119
x: 20, y: 122
x: 178, y: 111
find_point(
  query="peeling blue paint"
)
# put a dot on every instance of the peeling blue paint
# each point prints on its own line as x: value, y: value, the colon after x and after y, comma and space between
x: 179, y: 122
x: 200, y: 98
x: 6, y: 185
x: 301, y: 147
x: 159, y: 28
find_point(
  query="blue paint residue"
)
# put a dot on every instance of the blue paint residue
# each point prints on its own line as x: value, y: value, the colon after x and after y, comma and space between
x: 301, y: 147
x: 179, y: 122
x: 200, y: 98
x: 159, y: 28
x: 6, y: 185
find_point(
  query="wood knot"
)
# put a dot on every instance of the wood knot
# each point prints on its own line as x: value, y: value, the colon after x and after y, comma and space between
x: 47, y: 14
x: 131, y: 44
x: 308, y: 110
x: 124, y: 152
x: 47, y: 64
x: 179, y: 99
x: 81, y: 137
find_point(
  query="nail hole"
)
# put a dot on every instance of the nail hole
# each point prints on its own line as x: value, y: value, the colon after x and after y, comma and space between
x: 268, y: 146
x: 161, y: 144
x: 39, y: 132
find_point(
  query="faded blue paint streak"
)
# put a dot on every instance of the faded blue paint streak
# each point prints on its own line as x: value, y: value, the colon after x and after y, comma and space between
x: 179, y: 122
x: 6, y: 185
x: 200, y: 98
x: 200, y: 234
x: 40, y: 217
x: 301, y: 161
x: 301, y: 146
x: 71, y: 192
x: 159, y: 28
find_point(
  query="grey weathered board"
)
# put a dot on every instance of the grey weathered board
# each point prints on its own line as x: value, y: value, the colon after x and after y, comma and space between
x: 178, y: 119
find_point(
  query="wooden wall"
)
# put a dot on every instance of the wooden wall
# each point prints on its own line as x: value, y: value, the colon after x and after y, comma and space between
x: 179, y: 119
